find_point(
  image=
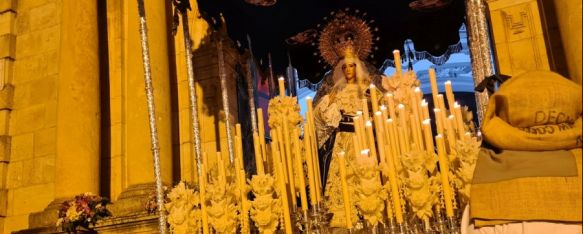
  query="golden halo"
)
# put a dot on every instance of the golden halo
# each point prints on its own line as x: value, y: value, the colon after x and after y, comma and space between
x: 344, y: 31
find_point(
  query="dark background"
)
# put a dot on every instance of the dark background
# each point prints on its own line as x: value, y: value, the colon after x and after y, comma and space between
x: 431, y: 30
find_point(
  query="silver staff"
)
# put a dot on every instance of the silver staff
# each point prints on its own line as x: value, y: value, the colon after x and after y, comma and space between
x: 223, y: 77
x: 195, y: 130
x: 151, y: 116
x: 271, y: 79
x: 480, y: 51
x: 250, y: 90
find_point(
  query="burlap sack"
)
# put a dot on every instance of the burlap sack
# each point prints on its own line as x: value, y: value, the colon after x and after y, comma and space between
x: 493, y: 167
x: 537, y: 110
x: 528, y: 199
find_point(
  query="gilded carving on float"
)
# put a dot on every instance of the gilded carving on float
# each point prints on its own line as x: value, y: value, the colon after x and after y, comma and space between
x: 467, y: 155
x: 184, y: 215
x: 266, y: 208
x: 370, y: 194
x: 223, y: 208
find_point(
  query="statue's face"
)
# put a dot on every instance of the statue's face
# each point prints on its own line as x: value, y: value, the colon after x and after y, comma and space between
x: 349, y: 70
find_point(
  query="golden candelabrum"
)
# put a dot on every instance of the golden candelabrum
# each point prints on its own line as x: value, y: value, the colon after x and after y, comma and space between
x: 402, y: 178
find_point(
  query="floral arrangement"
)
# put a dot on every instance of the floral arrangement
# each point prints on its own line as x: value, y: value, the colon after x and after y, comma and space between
x: 151, y: 205
x: 82, y: 212
x: 401, y: 86
x: 284, y: 106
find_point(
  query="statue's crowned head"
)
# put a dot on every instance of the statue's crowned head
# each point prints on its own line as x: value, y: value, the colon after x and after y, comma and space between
x: 349, y: 64
x: 345, y: 35
x: 349, y: 53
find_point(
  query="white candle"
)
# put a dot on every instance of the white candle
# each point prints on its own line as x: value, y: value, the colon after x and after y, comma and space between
x: 371, y: 140
x: 449, y: 95
x: 459, y: 120
x: 345, y: 193
x: 444, y: 172
x: 424, y: 109
x: 434, y: 89
x: 374, y: 98
x: 428, y: 135
x: 281, y: 86
x: 398, y: 66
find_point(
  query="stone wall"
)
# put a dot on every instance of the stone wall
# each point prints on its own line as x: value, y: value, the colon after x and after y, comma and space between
x: 32, y: 122
x: 7, y: 46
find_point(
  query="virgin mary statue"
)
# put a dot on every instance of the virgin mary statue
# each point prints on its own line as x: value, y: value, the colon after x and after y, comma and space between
x: 336, y: 106
x: 344, y: 43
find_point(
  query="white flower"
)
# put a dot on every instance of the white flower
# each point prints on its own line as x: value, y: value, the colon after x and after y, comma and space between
x: 72, y: 213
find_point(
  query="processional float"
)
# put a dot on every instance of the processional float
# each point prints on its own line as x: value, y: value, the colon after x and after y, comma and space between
x: 407, y: 184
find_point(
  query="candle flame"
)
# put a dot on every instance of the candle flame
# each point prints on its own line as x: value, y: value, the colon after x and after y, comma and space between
x: 427, y: 121
x: 364, y: 152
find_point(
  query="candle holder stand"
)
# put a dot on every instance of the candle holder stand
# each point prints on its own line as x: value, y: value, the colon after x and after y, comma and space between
x: 453, y: 226
x: 389, y: 227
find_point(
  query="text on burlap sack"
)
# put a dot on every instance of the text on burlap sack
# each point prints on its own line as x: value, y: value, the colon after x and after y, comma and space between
x: 548, y: 129
x: 551, y: 117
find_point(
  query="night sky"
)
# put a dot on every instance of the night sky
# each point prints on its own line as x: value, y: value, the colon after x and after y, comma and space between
x: 268, y: 27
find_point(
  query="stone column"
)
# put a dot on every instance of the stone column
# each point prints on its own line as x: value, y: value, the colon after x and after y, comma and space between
x: 78, y: 108
x: 569, y: 18
x: 78, y: 111
x: 135, y: 171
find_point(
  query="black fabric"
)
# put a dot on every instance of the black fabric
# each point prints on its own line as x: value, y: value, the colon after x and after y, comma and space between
x: 325, y: 157
x: 346, y: 127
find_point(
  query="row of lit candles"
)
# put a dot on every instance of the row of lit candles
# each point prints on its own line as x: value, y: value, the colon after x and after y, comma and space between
x: 397, y: 132
x: 394, y: 127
